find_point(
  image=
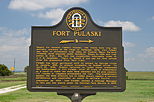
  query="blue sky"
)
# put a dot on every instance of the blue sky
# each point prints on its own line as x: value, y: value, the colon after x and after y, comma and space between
x: 135, y: 16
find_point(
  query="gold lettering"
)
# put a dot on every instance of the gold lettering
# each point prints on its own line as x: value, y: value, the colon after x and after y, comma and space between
x: 76, y: 33
x: 89, y: 33
x: 68, y: 66
x: 60, y: 33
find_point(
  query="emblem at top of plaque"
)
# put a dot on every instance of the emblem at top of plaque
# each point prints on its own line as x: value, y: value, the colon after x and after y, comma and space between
x: 76, y: 20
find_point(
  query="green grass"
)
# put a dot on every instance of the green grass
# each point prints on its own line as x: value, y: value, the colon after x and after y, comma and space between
x: 25, y: 96
x: 5, y: 84
x: 136, y: 91
x: 140, y: 88
x: 20, y: 73
x: 19, y: 76
x: 15, y: 79
x: 140, y: 75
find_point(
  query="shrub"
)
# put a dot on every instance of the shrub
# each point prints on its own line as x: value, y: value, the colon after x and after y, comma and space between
x: 26, y: 68
x: 126, y: 77
x: 4, y: 71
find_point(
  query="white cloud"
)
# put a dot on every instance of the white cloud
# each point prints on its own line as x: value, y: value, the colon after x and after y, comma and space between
x: 128, y: 44
x: 141, y: 62
x: 56, y: 12
x: 33, y: 5
x: 147, y: 55
x: 129, y: 59
x: 99, y: 22
x: 150, y: 52
x: 55, y: 15
x: 152, y: 17
x: 127, y: 25
x: 14, y: 44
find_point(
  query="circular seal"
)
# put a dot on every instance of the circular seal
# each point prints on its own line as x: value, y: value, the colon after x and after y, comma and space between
x: 76, y: 20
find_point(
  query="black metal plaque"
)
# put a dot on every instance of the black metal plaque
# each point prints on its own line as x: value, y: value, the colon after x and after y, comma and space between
x: 76, y: 55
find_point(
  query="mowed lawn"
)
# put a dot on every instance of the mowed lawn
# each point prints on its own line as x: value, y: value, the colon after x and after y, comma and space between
x: 15, y: 79
x: 5, y: 84
x: 140, y: 75
x: 140, y: 90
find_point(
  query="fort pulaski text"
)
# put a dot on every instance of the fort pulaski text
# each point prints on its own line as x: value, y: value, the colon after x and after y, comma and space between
x: 76, y: 33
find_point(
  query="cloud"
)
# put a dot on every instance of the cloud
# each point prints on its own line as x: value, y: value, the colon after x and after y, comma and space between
x: 55, y: 15
x: 14, y: 44
x: 127, y: 25
x: 33, y: 5
x: 143, y: 61
x: 149, y: 52
x: 56, y: 12
x: 99, y: 22
x: 128, y: 44
x: 129, y: 59
x: 147, y: 55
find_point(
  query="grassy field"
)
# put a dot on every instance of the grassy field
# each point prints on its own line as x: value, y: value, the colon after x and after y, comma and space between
x: 11, y: 83
x: 140, y: 75
x: 20, y: 76
x: 140, y: 90
x: 15, y: 79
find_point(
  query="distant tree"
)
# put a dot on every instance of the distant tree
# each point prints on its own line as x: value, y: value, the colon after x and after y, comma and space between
x: 4, y: 71
x: 26, y: 68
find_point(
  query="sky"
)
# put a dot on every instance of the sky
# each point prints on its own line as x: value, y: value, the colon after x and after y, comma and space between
x: 136, y: 17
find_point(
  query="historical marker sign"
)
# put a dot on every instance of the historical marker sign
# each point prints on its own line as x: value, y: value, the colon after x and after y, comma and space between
x: 76, y: 55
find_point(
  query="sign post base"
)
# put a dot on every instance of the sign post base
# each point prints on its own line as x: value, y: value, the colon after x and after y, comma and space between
x: 76, y: 97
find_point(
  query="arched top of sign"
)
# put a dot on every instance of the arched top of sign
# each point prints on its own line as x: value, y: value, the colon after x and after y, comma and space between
x: 77, y: 19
